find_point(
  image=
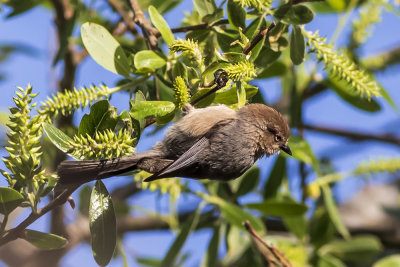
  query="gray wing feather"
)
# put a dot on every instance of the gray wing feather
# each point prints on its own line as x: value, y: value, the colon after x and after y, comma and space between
x: 185, y: 160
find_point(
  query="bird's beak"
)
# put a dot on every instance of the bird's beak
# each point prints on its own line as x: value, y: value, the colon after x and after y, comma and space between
x: 286, y: 149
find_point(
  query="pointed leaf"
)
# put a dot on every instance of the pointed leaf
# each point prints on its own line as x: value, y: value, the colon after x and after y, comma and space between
x: 161, y: 25
x: 241, y: 94
x: 357, y: 249
x: 235, y: 214
x: 164, y: 6
x: 236, y: 15
x: 211, y: 258
x: 247, y: 182
x: 104, y: 49
x: 148, y: 61
x: 389, y: 261
x: 294, y: 14
x: 44, y: 240
x: 204, y: 7
x: 302, y: 151
x: 277, y: 68
x: 147, y: 109
x: 333, y: 212
x: 279, y: 208
x: 229, y: 97
x: 9, y: 200
x: 102, y: 117
x: 275, y: 178
x: 297, y: 45
x: 329, y: 261
x: 346, y: 92
x: 102, y: 224
x: 58, y: 137
x: 186, y: 229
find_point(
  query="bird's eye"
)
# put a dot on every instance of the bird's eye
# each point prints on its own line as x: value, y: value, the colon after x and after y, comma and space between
x: 278, y: 138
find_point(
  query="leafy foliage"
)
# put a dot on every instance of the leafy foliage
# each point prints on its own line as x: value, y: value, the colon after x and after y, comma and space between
x: 341, y: 67
x: 161, y: 80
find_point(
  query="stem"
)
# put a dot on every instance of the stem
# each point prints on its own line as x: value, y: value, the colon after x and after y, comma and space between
x: 15, y: 232
x: 258, y: 38
x: 343, y: 21
x: 387, y: 138
x: 3, y: 224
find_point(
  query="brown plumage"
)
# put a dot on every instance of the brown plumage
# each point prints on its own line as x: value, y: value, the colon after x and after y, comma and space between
x: 215, y: 142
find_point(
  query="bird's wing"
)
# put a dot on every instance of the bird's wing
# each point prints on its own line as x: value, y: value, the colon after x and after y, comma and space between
x: 187, y: 159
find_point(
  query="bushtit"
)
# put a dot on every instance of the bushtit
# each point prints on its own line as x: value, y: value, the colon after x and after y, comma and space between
x: 216, y: 142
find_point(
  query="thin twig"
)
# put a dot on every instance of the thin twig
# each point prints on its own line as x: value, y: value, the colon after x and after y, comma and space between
x: 257, y: 39
x: 149, y: 32
x: 126, y: 17
x: 272, y: 255
x: 202, y: 26
x: 356, y: 136
x: 17, y: 231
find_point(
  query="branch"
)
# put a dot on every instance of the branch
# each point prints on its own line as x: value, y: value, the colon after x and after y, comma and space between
x: 272, y: 256
x: 258, y: 38
x: 17, y: 231
x: 149, y: 32
x: 203, y: 26
x: 126, y: 17
x: 387, y: 138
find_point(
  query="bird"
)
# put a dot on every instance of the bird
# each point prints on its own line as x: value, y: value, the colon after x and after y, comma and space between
x: 216, y: 143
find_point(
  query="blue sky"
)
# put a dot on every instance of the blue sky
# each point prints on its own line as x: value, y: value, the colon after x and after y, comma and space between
x: 36, y: 29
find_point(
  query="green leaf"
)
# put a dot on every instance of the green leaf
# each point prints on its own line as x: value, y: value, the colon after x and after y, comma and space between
x: 346, y: 92
x: 297, y: 225
x: 333, y: 212
x: 104, y: 49
x: 279, y: 208
x: 102, y: 224
x: 225, y: 38
x: 9, y: 200
x: 321, y: 228
x: 277, y: 68
x: 361, y: 249
x: 302, y: 151
x: 296, y: 14
x: 204, y: 7
x: 44, y: 240
x: 275, y: 178
x: 138, y: 125
x: 164, y: 6
x: 206, y: 101
x: 241, y: 95
x: 387, y: 97
x: 234, y: 214
x: 214, y: 17
x: 186, y: 229
x: 102, y: 117
x: 58, y: 137
x: 148, y: 261
x: 211, y: 258
x: 146, y: 109
x: 389, y: 261
x: 161, y: 25
x: 297, y: 45
x: 229, y: 97
x: 84, y: 199
x: 247, y: 182
x: 329, y: 261
x: 236, y: 15
x: 266, y: 57
x: 148, y: 61
x: 234, y: 57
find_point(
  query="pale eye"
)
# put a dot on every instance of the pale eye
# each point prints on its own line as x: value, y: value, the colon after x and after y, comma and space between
x: 278, y: 138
